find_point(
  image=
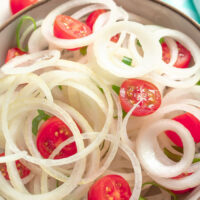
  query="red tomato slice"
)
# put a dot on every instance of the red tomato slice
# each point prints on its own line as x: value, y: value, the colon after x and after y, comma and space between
x: 12, y: 53
x: 52, y: 133
x: 182, y: 191
x: 17, y: 5
x: 90, y: 21
x: 110, y: 187
x: 191, y: 123
x: 134, y: 90
x: 23, y: 171
x: 184, y: 56
x: 66, y: 27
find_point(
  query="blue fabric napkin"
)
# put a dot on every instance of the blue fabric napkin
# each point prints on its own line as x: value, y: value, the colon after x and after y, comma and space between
x: 189, y: 7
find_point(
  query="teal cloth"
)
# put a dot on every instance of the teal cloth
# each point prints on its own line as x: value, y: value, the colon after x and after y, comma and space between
x: 189, y: 7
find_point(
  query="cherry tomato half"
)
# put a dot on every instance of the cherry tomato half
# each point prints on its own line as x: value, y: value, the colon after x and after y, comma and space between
x: 52, y: 133
x: 191, y: 123
x: 184, y: 56
x: 90, y: 21
x: 182, y: 191
x: 134, y: 90
x: 66, y: 27
x: 23, y: 171
x: 17, y: 5
x: 110, y: 187
x: 12, y: 53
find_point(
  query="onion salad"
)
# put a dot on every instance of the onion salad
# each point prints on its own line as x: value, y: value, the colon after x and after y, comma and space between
x: 99, y: 104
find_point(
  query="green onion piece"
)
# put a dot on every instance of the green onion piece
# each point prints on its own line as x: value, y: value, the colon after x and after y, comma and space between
x: 124, y: 114
x: 116, y: 89
x: 195, y: 160
x: 60, y: 87
x: 24, y: 18
x: 101, y: 89
x: 159, y: 186
x: 161, y: 40
x: 142, y: 198
x: 127, y: 61
x: 198, y: 83
x: 176, y: 157
x: 36, y: 121
x: 179, y: 149
x: 172, y: 156
x: 83, y: 50
x: 57, y: 183
x: 138, y: 43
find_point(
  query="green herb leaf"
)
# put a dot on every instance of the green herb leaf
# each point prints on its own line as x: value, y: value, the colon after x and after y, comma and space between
x: 142, y: 198
x: 116, y: 89
x: 198, y: 83
x: 127, y: 60
x: 159, y: 186
x: 176, y: 157
x: 60, y: 87
x: 195, y: 160
x: 138, y: 43
x: 179, y: 149
x: 83, y: 50
x: 172, y: 156
x: 101, y: 89
x: 22, y: 20
x: 57, y: 183
x: 124, y: 114
x: 161, y: 40
x: 36, y: 121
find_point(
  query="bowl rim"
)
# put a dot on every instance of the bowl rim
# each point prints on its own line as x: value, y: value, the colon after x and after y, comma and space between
x: 41, y: 2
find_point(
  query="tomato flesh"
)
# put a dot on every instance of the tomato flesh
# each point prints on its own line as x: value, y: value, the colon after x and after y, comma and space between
x: 90, y: 21
x: 110, y: 187
x: 184, y: 56
x: 12, y: 53
x: 182, y: 191
x: 66, y: 27
x: 166, y: 55
x: 23, y: 171
x: 17, y: 5
x: 51, y: 134
x: 191, y: 123
x: 115, y: 38
x: 134, y: 90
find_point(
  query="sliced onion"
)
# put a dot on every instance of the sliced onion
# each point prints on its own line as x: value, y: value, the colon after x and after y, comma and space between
x: 47, y: 26
x: 147, y: 139
x: 38, y: 60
